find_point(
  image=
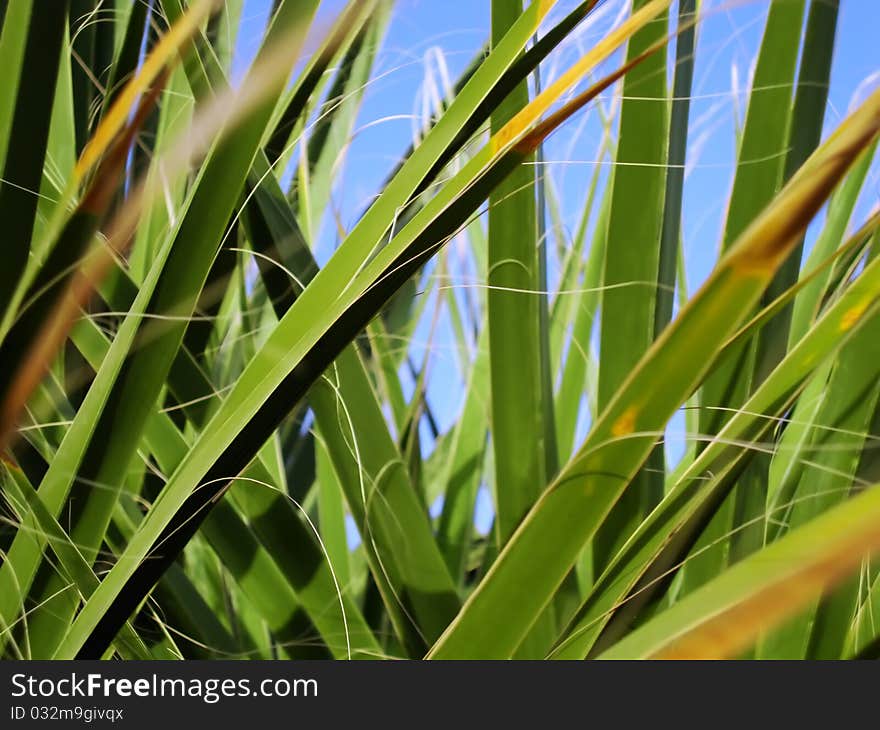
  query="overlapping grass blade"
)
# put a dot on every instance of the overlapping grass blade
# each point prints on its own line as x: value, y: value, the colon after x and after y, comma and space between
x: 24, y: 152
x: 135, y: 383
x: 546, y: 544
x: 279, y: 366
x: 513, y: 313
x: 632, y: 258
x: 661, y: 540
x: 274, y: 233
x: 726, y: 615
x: 763, y: 145
x: 518, y: 432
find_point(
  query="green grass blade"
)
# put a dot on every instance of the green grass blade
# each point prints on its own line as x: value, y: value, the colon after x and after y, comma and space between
x: 13, y: 41
x: 28, y: 136
x: 547, y: 543
x: 347, y: 26
x: 632, y: 259
x: 760, y: 164
x: 807, y: 117
x: 278, y: 375
x: 840, y: 208
x: 462, y: 472
x: 329, y: 136
x: 580, y: 357
x: 707, y: 477
x: 331, y: 514
x: 126, y: 60
x: 678, y: 133
x: 513, y: 308
x: 17, y: 572
x: 724, y: 617
x: 277, y: 526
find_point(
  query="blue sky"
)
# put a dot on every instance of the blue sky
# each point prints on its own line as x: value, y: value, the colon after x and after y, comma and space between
x: 425, y: 35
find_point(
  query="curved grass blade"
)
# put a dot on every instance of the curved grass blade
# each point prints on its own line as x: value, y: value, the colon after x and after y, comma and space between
x: 145, y: 371
x: 55, y: 275
x: 727, y: 615
x: 19, y: 489
x: 662, y: 538
x: 547, y: 543
x: 298, y: 350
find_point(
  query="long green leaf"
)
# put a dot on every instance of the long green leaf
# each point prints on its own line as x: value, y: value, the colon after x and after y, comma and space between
x: 278, y: 363
x: 724, y: 616
x: 651, y: 551
x: 547, y: 543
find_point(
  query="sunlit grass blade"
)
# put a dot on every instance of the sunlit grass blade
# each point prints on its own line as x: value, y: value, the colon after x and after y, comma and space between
x: 136, y: 383
x: 632, y: 258
x: 650, y: 553
x: 727, y: 615
x: 807, y: 117
x: 513, y: 312
x: 840, y: 208
x: 279, y: 367
x: 547, y: 543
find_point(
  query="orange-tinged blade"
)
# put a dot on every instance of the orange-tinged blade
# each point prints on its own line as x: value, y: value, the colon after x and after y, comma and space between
x: 163, y: 55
